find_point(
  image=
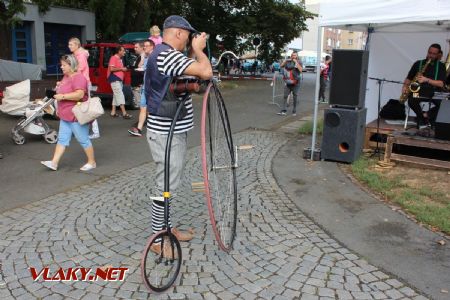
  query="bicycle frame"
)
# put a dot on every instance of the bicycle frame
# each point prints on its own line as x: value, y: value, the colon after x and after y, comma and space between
x: 166, y: 192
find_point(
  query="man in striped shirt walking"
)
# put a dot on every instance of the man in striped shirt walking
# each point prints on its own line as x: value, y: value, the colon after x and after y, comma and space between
x: 165, y: 63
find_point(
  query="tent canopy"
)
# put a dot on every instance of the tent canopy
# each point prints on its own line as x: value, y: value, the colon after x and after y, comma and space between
x: 433, y: 14
x: 400, y: 32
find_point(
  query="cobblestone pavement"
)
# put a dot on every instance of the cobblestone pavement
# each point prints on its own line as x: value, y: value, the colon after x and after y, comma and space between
x: 278, y: 254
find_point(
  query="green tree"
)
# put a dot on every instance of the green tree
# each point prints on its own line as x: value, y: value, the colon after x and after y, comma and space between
x: 232, y: 24
x: 237, y: 22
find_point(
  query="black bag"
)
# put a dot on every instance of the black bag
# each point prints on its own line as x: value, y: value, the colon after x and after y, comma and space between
x: 169, y: 105
x: 393, y: 110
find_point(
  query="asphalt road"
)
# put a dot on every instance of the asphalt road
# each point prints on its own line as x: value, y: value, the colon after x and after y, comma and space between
x: 24, y: 180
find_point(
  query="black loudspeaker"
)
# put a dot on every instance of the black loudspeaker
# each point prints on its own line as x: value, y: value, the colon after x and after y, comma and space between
x: 343, y: 134
x: 349, y: 77
x: 442, y: 126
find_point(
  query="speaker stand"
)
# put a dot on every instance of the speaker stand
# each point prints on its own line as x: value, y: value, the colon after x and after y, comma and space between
x: 377, y: 151
x: 379, y: 81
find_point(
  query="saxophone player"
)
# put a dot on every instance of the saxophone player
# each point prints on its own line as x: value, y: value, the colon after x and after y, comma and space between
x: 429, y: 79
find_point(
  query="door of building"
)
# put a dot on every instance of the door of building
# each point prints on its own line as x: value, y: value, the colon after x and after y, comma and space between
x: 56, y: 40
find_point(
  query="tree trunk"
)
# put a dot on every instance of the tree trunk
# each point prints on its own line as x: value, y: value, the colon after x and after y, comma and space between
x: 6, y: 38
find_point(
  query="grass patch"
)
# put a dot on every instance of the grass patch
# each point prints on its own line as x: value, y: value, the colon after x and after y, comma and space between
x: 307, y: 127
x: 428, y: 206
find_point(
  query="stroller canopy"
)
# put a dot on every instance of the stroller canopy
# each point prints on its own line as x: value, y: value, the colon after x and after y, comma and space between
x: 16, y: 97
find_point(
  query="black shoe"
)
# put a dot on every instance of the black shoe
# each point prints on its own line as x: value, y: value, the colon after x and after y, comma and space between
x: 422, y: 124
x: 282, y: 113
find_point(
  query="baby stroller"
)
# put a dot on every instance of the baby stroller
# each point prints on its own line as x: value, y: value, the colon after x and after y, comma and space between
x: 32, y: 113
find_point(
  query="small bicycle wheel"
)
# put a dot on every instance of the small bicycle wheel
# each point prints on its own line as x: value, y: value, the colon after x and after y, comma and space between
x: 219, y: 167
x: 161, y: 261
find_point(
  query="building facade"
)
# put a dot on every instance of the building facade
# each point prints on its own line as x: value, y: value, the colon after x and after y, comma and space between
x: 43, y: 38
x: 332, y: 38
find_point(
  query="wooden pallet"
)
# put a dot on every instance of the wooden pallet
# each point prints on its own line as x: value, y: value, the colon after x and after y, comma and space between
x: 420, y: 142
x: 384, y: 130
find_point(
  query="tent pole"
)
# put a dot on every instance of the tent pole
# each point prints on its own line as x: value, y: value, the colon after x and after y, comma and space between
x: 316, y: 95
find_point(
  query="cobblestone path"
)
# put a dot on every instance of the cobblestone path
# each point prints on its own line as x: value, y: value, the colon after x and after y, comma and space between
x: 278, y: 254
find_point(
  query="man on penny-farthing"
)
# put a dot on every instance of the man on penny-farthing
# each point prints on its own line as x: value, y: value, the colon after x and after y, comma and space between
x: 165, y: 63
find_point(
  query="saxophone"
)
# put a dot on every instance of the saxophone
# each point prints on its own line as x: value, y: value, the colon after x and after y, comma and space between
x: 414, y: 86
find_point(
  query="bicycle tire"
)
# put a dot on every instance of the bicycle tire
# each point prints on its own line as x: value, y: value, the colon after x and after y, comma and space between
x: 159, y: 272
x: 218, y: 165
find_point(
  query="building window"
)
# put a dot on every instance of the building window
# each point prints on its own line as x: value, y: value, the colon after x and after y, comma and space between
x: 21, y: 43
x: 329, y: 42
x: 350, y: 41
x: 338, y: 44
x: 339, y: 31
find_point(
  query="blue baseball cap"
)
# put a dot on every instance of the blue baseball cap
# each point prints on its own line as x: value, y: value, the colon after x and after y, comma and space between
x: 175, y: 21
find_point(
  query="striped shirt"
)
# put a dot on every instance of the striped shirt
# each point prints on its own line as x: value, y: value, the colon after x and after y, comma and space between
x: 173, y: 63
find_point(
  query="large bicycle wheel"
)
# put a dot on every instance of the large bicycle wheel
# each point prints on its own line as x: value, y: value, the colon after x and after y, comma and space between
x: 161, y: 261
x: 219, y: 167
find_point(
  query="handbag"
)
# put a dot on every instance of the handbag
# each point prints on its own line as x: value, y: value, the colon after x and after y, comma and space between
x: 89, y: 110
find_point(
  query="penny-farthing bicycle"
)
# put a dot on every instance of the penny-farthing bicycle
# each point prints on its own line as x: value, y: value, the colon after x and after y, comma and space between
x: 219, y: 162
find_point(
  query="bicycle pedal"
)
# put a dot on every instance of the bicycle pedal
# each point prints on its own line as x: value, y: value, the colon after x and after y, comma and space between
x: 198, y: 187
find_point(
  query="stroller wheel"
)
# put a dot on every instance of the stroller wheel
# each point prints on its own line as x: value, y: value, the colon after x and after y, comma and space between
x: 18, y: 139
x: 51, y: 136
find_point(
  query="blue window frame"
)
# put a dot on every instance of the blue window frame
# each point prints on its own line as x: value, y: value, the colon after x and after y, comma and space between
x: 21, y: 43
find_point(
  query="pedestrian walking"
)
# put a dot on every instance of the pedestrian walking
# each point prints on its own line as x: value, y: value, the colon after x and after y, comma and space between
x: 291, y: 76
x: 136, y: 130
x: 82, y: 55
x: 115, y: 77
x: 137, y: 72
x: 71, y: 89
x: 324, y: 69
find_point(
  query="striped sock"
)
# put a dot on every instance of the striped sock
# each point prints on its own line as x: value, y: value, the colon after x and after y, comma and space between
x: 158, y: 215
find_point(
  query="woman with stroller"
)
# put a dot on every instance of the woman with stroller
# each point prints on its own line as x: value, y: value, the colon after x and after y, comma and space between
x: 72, y: 88
x: 82, y: 55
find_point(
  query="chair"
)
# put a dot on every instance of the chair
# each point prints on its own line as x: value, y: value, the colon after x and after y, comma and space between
x: 405, y: 126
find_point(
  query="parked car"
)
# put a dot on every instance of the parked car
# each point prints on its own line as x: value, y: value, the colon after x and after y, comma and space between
x: 99, y: 55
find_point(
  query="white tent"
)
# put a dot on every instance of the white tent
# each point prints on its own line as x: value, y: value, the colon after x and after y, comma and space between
x: 400, y: 32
